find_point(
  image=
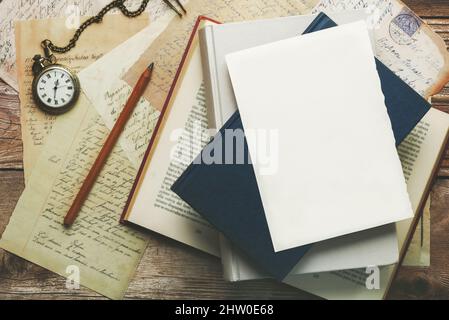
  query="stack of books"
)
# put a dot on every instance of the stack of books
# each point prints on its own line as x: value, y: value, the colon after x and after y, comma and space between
x: 302, y: 181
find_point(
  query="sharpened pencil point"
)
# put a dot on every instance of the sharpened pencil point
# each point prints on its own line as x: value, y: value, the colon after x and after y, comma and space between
x: 150, y: 67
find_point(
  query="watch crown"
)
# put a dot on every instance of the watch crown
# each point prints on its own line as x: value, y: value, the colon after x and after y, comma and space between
x: 38, y: 64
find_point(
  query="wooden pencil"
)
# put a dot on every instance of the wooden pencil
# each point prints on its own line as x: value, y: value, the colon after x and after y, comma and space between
x: 109, y: 144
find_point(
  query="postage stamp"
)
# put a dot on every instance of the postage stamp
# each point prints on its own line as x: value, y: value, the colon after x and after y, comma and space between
x: 404, y: 27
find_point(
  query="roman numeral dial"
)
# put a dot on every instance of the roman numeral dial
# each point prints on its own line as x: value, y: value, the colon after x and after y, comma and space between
x: 56, y: 89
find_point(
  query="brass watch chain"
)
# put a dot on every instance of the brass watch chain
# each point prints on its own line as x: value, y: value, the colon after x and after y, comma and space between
x: 119, y: 4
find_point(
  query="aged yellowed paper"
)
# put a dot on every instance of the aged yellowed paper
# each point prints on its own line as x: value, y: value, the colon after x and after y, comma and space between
x: 104, y: 252
x: 36, y: 125
x: 405, y: 43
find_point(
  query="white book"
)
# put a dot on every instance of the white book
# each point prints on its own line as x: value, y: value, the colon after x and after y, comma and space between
x: 365, y: 188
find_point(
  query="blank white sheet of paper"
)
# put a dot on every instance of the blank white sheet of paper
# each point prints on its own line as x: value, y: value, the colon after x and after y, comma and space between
x: 333, y: 168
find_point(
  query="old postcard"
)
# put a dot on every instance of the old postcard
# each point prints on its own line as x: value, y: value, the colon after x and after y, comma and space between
x: 400, y: 35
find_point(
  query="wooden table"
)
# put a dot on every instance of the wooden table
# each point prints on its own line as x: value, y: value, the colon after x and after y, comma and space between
x: 169, y: 270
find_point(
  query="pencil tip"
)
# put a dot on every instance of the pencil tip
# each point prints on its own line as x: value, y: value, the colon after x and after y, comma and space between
x: 150, y: 67
x: 67, y: 224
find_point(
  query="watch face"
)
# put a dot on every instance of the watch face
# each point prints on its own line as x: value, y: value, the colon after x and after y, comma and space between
x: 56, y: 89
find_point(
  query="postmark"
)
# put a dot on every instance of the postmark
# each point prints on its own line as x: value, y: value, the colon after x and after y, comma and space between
x: 404, y: 27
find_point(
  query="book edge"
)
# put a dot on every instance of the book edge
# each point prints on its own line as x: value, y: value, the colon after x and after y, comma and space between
x: 430, y: 183
x: 143, y: 166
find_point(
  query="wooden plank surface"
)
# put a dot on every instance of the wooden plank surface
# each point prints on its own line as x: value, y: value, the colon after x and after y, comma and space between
x: 171, y: 270
x: 10, y: 136
x: 429, y: 8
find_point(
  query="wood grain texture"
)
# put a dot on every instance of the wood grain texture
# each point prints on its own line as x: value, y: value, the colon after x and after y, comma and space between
x: 171, y: 270
x: 10, y: 136
x: 429, y: 8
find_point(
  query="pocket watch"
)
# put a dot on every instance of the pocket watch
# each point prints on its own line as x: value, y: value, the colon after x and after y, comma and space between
x: 55, y: 87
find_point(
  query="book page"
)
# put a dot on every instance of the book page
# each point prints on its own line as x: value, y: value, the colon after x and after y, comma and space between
x: 36, y: 125
x: 180, y: 139
x: 405, y: 43
x: 427, y: 142
x: 418, y: 252
x: 97, y: 247
x: 167, y: 50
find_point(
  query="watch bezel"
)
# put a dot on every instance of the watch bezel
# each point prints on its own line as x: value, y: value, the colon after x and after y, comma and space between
x: 59, y: 110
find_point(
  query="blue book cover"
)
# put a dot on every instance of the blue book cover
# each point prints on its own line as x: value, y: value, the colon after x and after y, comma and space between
x: 228, y: 197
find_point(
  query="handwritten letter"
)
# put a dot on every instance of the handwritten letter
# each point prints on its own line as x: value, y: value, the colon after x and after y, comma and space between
x: 105, y: 251
x: 138, y: 129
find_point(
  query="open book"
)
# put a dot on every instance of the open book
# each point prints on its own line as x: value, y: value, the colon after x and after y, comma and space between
x: 179, y: 136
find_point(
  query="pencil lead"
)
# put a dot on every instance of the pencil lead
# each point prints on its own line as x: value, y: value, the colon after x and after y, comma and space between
x: 151, y: 66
